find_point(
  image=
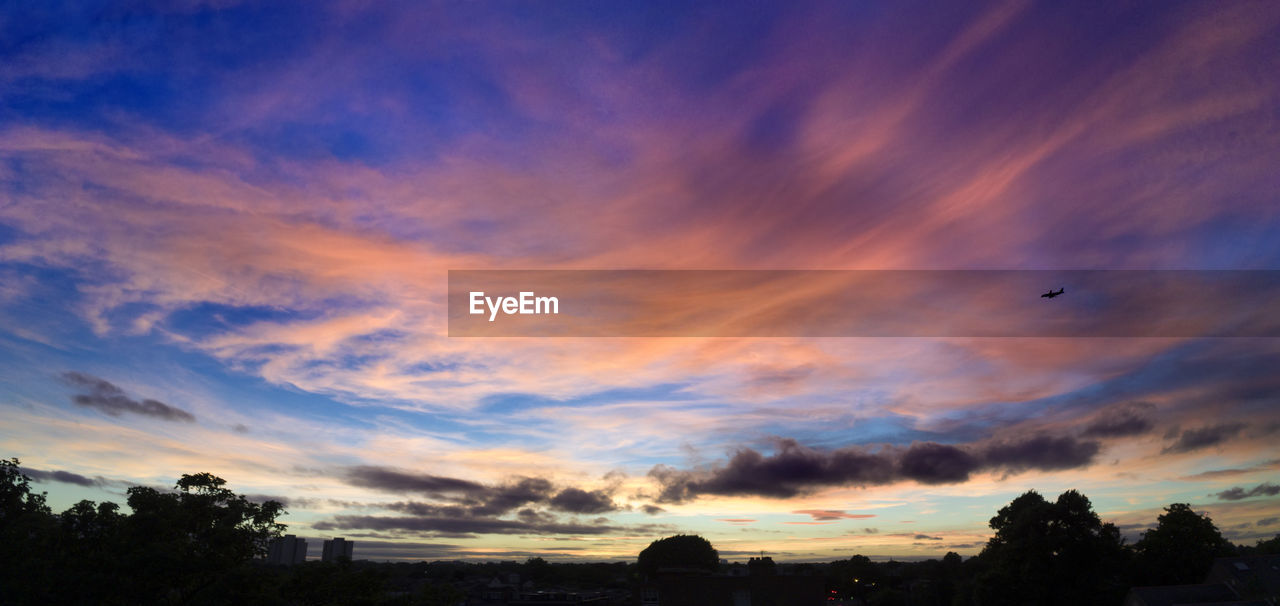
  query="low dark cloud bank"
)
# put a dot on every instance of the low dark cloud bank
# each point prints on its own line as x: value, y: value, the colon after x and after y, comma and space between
x: 461, y: 527
x: 576, y: 500
x: 795, y: 469
x: 1238, y: 493
x: 465, y: 508
x: 390, y: 480
x: 1225, y: 473
x: 64, y: 477
x: 466, y: 497
x: 106, y: 397
x: 1203, y: 437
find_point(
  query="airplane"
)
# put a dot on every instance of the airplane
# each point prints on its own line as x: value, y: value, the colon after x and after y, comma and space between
x: 1051, y: 294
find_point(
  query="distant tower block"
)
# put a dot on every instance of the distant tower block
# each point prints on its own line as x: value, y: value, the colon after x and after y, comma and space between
x: 288, y: 550
x: 337, y: 548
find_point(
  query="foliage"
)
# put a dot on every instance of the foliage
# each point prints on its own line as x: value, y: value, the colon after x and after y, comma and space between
x: 180, y: 547
x: 679, y: 551
x: 536, y: 569
x: 1181, y: 548
x: 1051, y: 553
x: 1266, y: 547
x: 27, y: 527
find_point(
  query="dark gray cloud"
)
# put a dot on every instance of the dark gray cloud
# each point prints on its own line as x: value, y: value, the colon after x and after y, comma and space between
x: 794, y: 469
x: 64, y: 477
x: 1126, y: 421
x: 925, y: 537
x: 462, y: 526
x: 431, y: 509
x: 498, y: 500
x: 1042, y: 452
x: 464, y: 496
x: 1224, y: 473
x: 830, y: 515
x: 533, y: 516
x: 375, y: 546
x: 1238, y: 493
x: 651, y: 509
x: 788, y: 472
x: 106, y: 397
x: 391, y: 480
x: 1267, y: 521
x: 1203, y: 437
x: 288, y: 502
x: 933, y: 463
x: 576, y: 500
x: 461, y: 507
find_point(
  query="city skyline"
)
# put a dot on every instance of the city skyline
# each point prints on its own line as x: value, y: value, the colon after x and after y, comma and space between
x: 226, y: 232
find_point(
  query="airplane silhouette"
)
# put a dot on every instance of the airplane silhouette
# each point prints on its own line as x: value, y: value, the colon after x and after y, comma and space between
x: 1051, y: 294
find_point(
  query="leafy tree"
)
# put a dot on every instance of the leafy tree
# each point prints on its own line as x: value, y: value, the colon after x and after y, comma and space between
x: 856, y: 577
x: 16, y: 498
x: 88, y: 544
x: 187, y: 540
x: 1181, y: 548
x: 679, y: 551
x: 27, y: 530
x: 1051, y: 553
x: 1268, y: 547
x: 536, y: 569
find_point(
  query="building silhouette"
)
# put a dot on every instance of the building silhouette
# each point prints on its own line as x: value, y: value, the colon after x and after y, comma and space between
x: 287, y: 550
x: 1244, y: 581
x: 336, y: 548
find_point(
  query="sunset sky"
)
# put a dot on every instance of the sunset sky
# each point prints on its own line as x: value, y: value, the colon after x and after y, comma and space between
x: 226, y: 231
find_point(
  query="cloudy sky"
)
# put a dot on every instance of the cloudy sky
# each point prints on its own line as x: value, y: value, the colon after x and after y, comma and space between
x: 226, y: 231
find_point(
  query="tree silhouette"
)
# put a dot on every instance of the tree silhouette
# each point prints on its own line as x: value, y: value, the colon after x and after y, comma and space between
x: 186, y: 541
x: 1266, y: 547
x: 1051, y: 553
x: 184, y: 547
x: 536, y: 569
x: 27, y: 528
x: 1181, y: 548
x: 679, y: 551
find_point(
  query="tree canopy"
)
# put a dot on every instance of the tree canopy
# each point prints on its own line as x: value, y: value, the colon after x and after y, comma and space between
x: 1181, y: 548
x: 1051, y: 553
x: 679, y: 551
x: 184, y: 546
